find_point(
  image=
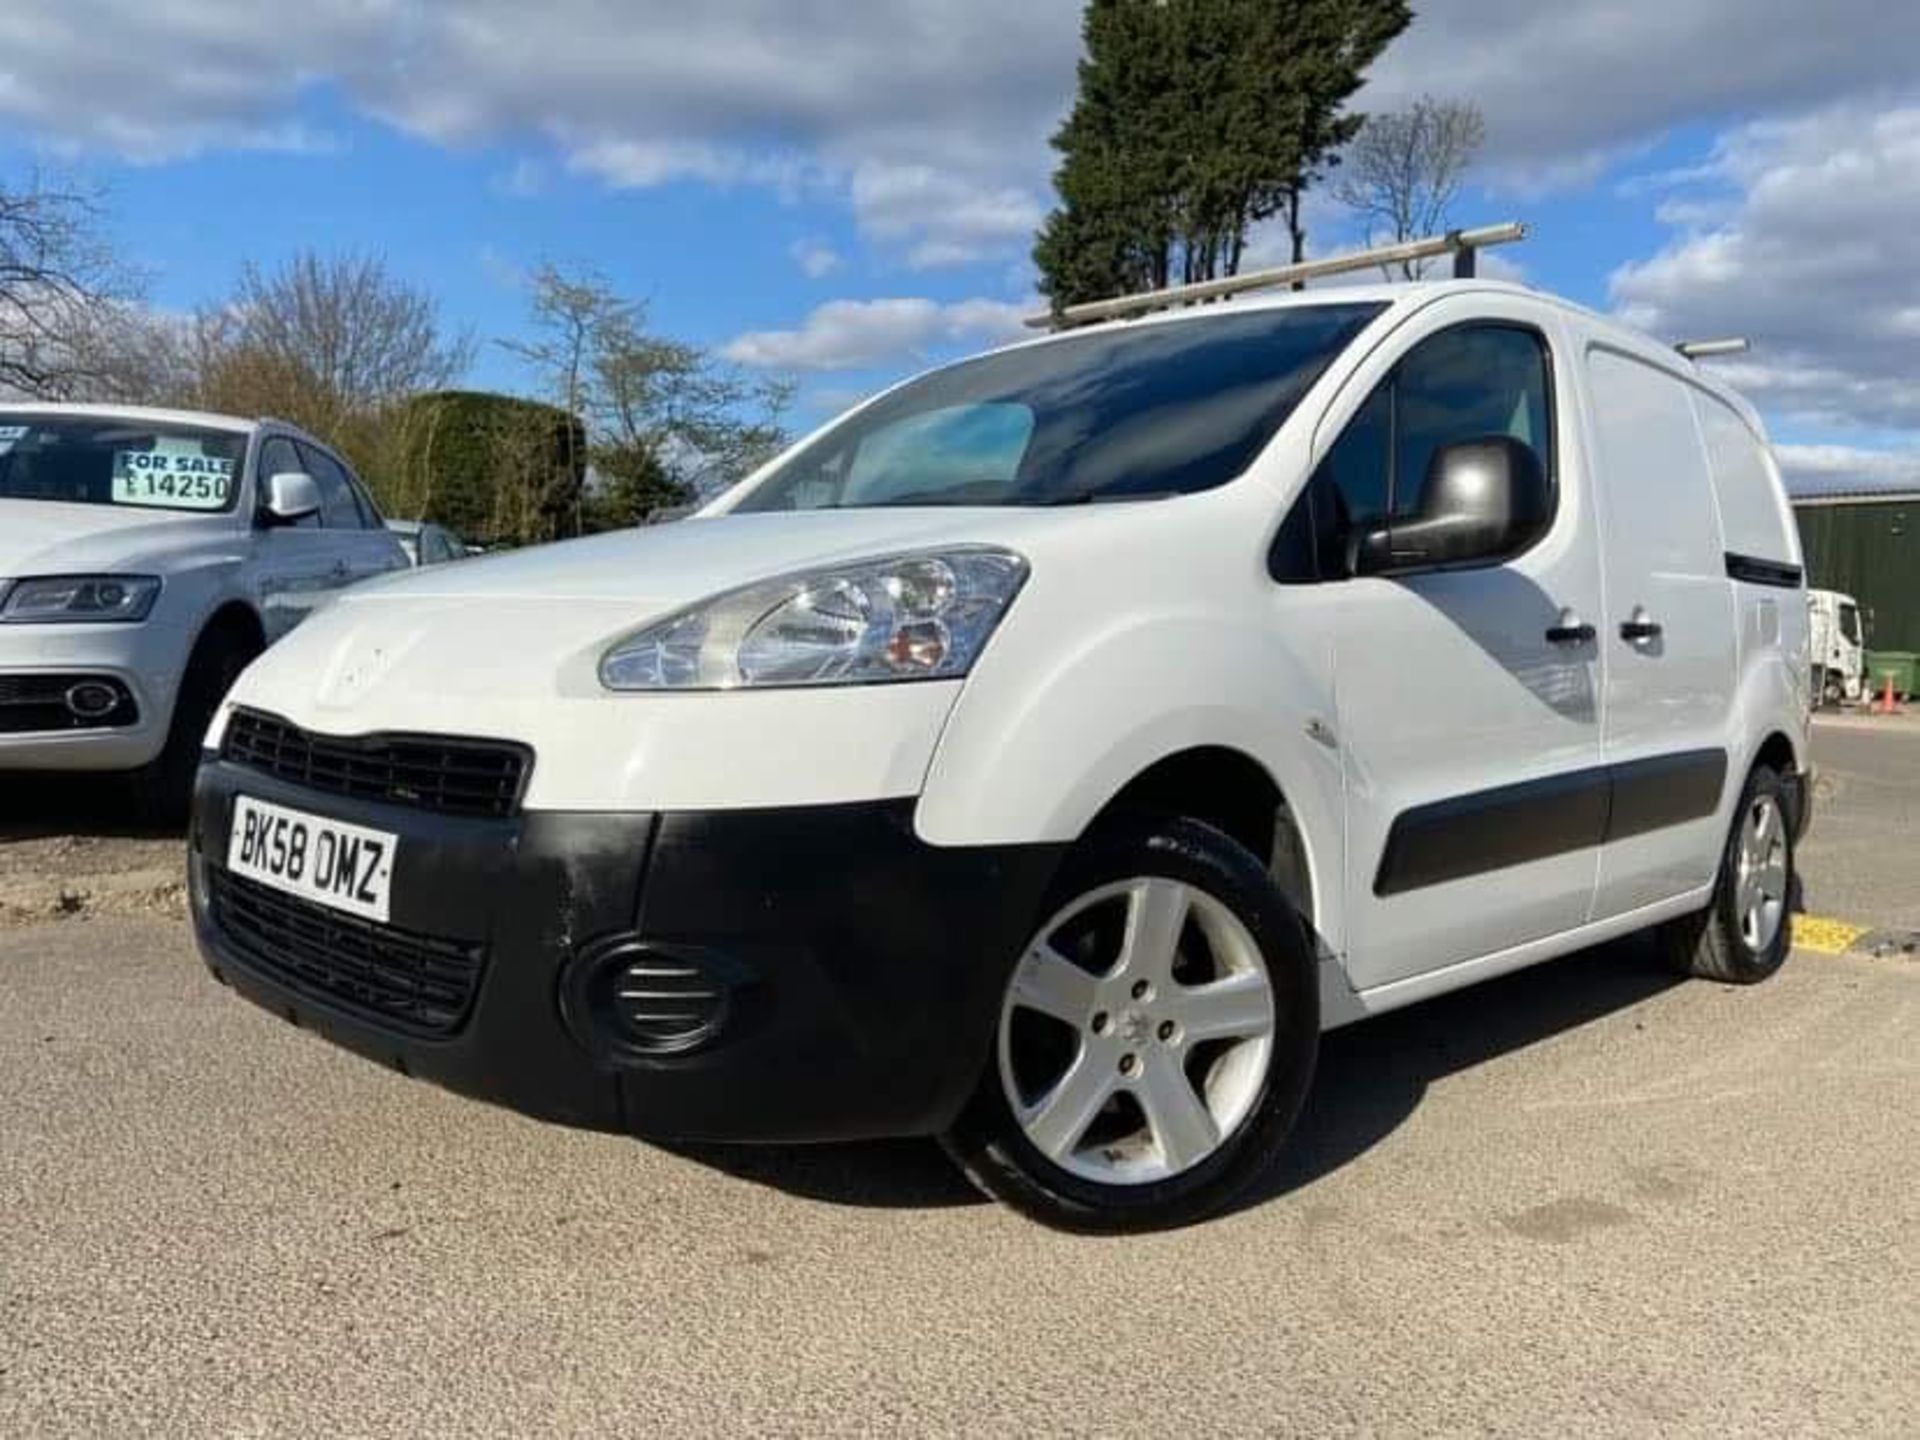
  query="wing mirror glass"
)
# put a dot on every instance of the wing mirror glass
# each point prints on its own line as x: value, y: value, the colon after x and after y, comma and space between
x: 291, y: 497
x: 1483, y: 500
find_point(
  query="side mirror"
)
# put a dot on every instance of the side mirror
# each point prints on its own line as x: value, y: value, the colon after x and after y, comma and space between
x: 1484, y: 499
x: 291, y: 497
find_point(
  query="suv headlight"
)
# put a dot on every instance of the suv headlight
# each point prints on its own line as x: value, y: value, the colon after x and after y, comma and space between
x: 52, y: 599
x: 921, y: 616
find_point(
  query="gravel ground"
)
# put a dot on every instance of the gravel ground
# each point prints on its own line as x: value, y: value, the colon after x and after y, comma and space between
x: 1582, y: 1197
x: 1579, y: 1199
x: 68, y: 852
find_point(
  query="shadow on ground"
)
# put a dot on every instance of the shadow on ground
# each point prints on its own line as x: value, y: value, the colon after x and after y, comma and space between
x: 41, y: 807
x: 1372, y: 1078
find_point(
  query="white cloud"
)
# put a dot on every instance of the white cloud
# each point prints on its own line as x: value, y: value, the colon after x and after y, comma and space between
x: 1813, y: 469
x: 1806, y: 248
x: 943, y: 101
x: 948, y: 218
x: 928, y: 117
x: 816, y: 258
x: 871, y: 334
x: 1568, y: 87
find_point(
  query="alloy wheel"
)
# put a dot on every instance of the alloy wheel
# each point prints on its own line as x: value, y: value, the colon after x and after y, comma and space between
x: 1760, y: 874
x: 1136, y: 1032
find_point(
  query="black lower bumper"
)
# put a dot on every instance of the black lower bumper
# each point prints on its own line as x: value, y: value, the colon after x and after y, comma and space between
x: 860, y: 967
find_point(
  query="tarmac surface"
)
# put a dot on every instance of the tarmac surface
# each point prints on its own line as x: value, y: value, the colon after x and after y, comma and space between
x: 1862, y: 858
x: 1583, y: 1196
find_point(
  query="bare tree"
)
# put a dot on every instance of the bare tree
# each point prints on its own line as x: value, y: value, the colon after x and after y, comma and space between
x: 574, y: 316
x: 664, y: 421
x: 61, y: 294
x: 1404, y: 169
x: 327, y: 342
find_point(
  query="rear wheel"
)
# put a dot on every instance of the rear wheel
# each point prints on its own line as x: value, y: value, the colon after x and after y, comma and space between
x: 163, y: 788
x: 1746, y: 933
x: 1155, y: 1039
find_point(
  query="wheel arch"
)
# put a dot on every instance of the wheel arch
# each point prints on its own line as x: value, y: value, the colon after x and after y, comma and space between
x: 1235, y: 793
x: 228, y: 618
x: 1040, y: 746
x: 1778, y: 752
x: 231, y: 617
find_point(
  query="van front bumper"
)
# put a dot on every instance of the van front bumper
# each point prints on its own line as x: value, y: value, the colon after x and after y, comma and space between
x: 844, y: 975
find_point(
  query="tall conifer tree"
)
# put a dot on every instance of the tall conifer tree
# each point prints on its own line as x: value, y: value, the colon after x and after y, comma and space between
x: 1194, y: 121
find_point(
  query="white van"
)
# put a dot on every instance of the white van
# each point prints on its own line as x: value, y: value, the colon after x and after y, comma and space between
x: 1045, y: 753
x: 1838, y: 645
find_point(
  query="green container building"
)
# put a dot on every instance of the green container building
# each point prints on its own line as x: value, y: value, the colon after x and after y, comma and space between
x: 1867, y: 545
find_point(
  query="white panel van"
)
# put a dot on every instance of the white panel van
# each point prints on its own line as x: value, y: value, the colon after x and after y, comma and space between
x: 1045, y: 753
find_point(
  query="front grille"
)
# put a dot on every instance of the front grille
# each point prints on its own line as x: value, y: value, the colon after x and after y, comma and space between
x: 31, y: 703
x: 448, y: 775
x: 416, y: 983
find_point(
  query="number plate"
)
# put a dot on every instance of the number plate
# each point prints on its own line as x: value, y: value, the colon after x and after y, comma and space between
x: 347, y: 867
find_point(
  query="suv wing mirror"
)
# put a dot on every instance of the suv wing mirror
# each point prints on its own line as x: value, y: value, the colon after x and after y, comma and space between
x: 291, y: 497
x: 1484, y: 500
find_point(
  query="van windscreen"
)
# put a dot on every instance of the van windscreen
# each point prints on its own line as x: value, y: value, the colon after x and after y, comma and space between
x: 1121, y: 412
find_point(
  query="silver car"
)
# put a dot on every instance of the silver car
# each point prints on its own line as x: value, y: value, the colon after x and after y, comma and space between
x: 146, y: 556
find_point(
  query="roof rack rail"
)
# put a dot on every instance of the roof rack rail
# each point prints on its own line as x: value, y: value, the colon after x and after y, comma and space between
x: 1461, y: 244
x: 1706, y: 349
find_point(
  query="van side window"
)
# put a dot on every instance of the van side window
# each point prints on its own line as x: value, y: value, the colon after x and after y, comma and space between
x: 1467, y: 383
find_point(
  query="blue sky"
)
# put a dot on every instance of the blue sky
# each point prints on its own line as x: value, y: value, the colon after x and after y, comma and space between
x: 843, y: 192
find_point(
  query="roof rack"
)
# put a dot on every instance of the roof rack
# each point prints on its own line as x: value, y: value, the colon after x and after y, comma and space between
x: 1461, y: 244
x: 1706, y: 349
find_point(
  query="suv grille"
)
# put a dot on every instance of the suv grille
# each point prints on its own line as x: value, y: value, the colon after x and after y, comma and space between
x: 409, y: 982
x: 425, y: 772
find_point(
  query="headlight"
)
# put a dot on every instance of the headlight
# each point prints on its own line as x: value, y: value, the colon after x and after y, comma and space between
x: 67, y: 598
x: 924, y: 616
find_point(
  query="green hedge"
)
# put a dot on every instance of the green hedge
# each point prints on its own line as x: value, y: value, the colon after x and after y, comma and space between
x: 496, y: 469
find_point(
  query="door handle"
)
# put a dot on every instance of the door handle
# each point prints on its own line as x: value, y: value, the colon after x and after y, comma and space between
x: 341, y: 569
x: 1639, y: 626
x: 1570, y: 629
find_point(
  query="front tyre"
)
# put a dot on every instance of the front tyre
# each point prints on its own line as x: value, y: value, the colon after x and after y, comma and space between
x: 1155, y: 1039
x: 1745, y: 934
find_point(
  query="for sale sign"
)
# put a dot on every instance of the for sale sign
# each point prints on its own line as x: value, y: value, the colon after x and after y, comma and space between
x: 171, y: 480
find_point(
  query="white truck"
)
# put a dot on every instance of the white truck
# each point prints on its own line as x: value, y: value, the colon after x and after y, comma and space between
x: 1837, y: 643
x: 1045, y: 753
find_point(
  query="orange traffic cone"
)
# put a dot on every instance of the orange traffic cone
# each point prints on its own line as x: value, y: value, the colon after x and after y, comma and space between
x: 1886, y: 700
